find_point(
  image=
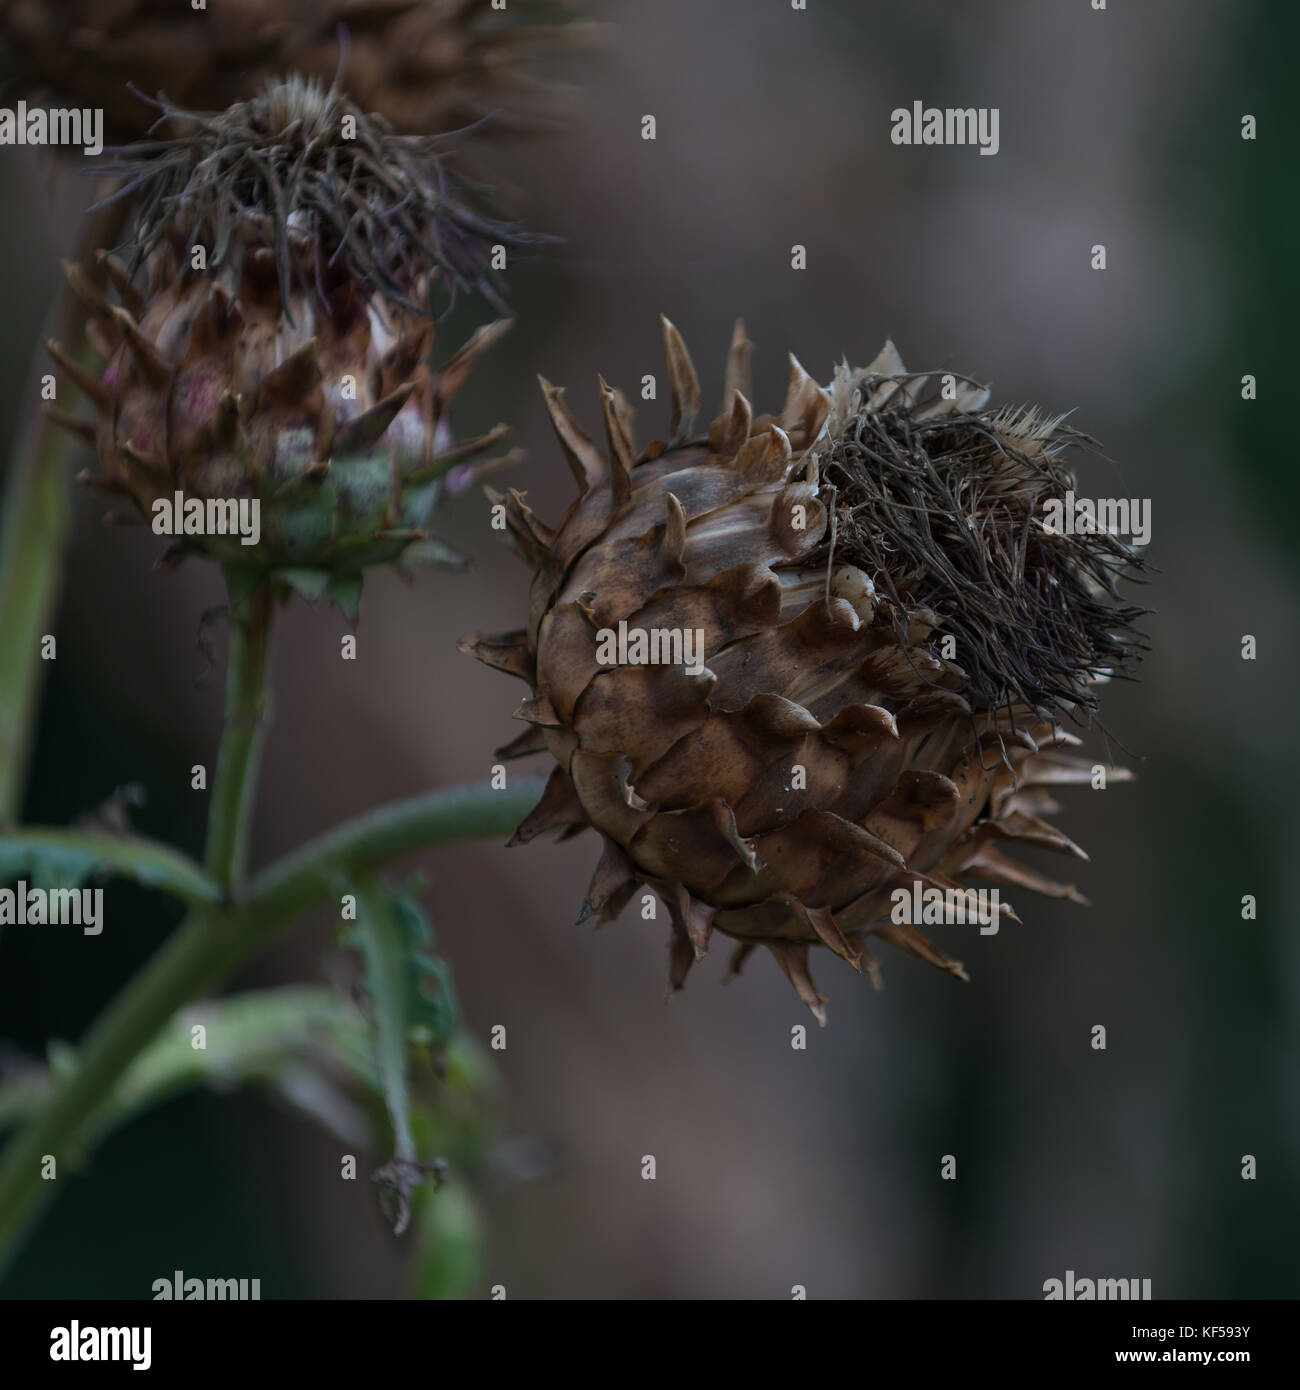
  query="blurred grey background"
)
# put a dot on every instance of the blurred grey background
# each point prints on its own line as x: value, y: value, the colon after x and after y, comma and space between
x: 778, y: 1167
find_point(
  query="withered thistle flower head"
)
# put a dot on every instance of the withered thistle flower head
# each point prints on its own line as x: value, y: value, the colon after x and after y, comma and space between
x: 275, y: 317
x: 301, y: 168
x: 892, y: 640
x: 427, y: 66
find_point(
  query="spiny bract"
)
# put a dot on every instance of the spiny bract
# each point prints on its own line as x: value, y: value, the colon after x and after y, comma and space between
x: 276, y: 348
x: 826, y: 751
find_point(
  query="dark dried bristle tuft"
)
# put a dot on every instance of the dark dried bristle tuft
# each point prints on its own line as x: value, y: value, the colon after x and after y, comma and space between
x: 385, y: 208
x: 946, y: 512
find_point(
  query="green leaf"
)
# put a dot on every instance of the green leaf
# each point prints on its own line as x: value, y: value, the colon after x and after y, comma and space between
x: 46, y: 867
x: 50, y: 858
x: 314, y: 1048
x: 411, y: 1000
x: 380, y: 940
x: 430, y: 1002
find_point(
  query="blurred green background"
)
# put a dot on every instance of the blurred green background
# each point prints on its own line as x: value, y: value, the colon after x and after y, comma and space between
x: 778, y: 1167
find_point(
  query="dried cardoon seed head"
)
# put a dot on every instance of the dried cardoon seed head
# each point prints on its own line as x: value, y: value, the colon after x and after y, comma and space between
x: 427, y: 66
x: 805, y: 661
x: 271, y: 338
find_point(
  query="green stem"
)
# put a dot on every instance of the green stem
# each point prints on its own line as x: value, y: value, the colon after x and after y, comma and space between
x: 392, y: 832
x: 231, y: 811
x: 37, y: 512
x: 209, y: 945
x: 37, y: 518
